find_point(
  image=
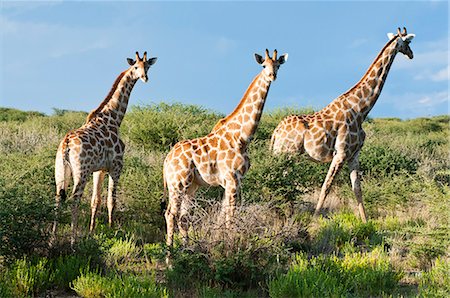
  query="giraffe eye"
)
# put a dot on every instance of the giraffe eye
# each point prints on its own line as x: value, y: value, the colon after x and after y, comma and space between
x: 135, y: 67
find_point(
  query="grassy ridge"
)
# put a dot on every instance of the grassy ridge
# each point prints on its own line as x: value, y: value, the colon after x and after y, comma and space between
x: 276, y: 248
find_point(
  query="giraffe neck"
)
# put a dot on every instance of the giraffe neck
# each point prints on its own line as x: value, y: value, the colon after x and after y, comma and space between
x: 363, y: 96
x: 113, y: 108
x: 243, y: 121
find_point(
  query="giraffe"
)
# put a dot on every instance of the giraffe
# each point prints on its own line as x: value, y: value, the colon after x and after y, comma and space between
x: 97, y: 148
x: 220, y: 158
x: 335, y: 133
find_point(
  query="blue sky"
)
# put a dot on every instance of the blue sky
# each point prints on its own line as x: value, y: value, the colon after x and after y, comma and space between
x: 67, y: 55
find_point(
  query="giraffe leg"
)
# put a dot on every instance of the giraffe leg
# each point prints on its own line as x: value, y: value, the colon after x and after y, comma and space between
x: 171, y: 214
x: 96, y: 196
x: 229, y: 201
x: 183, y: 221
x: 355, y: 177
x: 336, y: 165
x: 112, y: 193
x: 77, y: 193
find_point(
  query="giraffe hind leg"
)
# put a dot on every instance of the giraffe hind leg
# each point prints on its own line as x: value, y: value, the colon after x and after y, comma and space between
x: 96, y: 196
x: 336, y: 165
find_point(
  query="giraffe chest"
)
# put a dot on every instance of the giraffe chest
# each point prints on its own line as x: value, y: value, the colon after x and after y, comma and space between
x: 215, y: 159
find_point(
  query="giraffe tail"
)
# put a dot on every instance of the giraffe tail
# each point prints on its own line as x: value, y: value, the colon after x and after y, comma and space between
x: 63, y: 170
x: 272, y: 140
x: 163, y: 203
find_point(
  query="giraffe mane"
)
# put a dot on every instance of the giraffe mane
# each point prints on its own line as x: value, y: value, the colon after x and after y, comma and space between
x: 222, y: 121
x: 108, y: 97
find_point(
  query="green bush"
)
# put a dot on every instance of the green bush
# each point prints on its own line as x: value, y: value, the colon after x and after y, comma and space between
x: 66, y: 269
x: 23, y: 223
x: 356, y: 274
x: 342, y: 229
x: 383, y: 161
x: 241, y: 257
x: 7, y: 115
x: 279, y: 178
x: 29, y: 278
x: 158, y: 127
x: 436, y: 282
x: 93, y: 285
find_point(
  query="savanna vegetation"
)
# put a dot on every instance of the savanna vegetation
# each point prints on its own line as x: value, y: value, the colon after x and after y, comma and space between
x: 275, y: 248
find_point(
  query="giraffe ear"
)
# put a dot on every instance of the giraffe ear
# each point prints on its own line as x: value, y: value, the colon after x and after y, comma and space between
x: 131, y: 61
x: 259, y: 59
x: 283, y: 58
x: 408, y: 37
x: 152, y: 61
x: 390, y: 35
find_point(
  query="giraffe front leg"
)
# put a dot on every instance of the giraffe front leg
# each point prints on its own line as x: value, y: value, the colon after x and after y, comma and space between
x: 336, y: 165
x: 229, y: 201
x: 355, y: 177
x: 96, y: 196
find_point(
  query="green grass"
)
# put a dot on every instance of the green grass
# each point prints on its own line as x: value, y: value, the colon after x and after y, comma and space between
x: 354, y: 274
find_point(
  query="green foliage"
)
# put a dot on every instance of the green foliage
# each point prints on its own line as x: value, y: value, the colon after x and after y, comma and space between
x: 158, y: 127
x: 281, y: 178
x: 436, y: 282
x: 90, y: 285
x: 93, y: 285
x: 65, y: 269
x: 28, y: 278
x: 7, y: 115
x: 23, y: 223
x: 383, y: 161
x: 356, y: 274
x: 342, y: 230
x: 122, y: 251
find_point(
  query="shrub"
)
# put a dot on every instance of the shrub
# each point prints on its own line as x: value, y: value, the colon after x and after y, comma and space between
x: 158, y: 127
x: 243, y: 256
x: 383, y: 161
x: 23, y: 222
x: 436, y: 282
x: 7, y: 114
x: 66, y: 269
x: 356, y: 274
x: 279, y: 178
x: 122, y: 251
x: 94, y: 285
x: 90, y: 285
x: 29, y: 277
x: 343, y: 229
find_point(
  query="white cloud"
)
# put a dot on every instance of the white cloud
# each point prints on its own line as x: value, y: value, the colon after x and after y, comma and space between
x: 430, y: 61
x: 225, y: 45
x: 358, y: 42
x: 411, y: 105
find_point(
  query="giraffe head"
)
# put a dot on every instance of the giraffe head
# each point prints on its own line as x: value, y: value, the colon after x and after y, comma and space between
x: 403, y: 41
x: 139, y: 67
x: 271, y: 65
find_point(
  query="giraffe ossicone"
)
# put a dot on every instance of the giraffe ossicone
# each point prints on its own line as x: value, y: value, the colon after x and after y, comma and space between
x: 96, y: 148
x: 220, y: 158
x: 335, y: 133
